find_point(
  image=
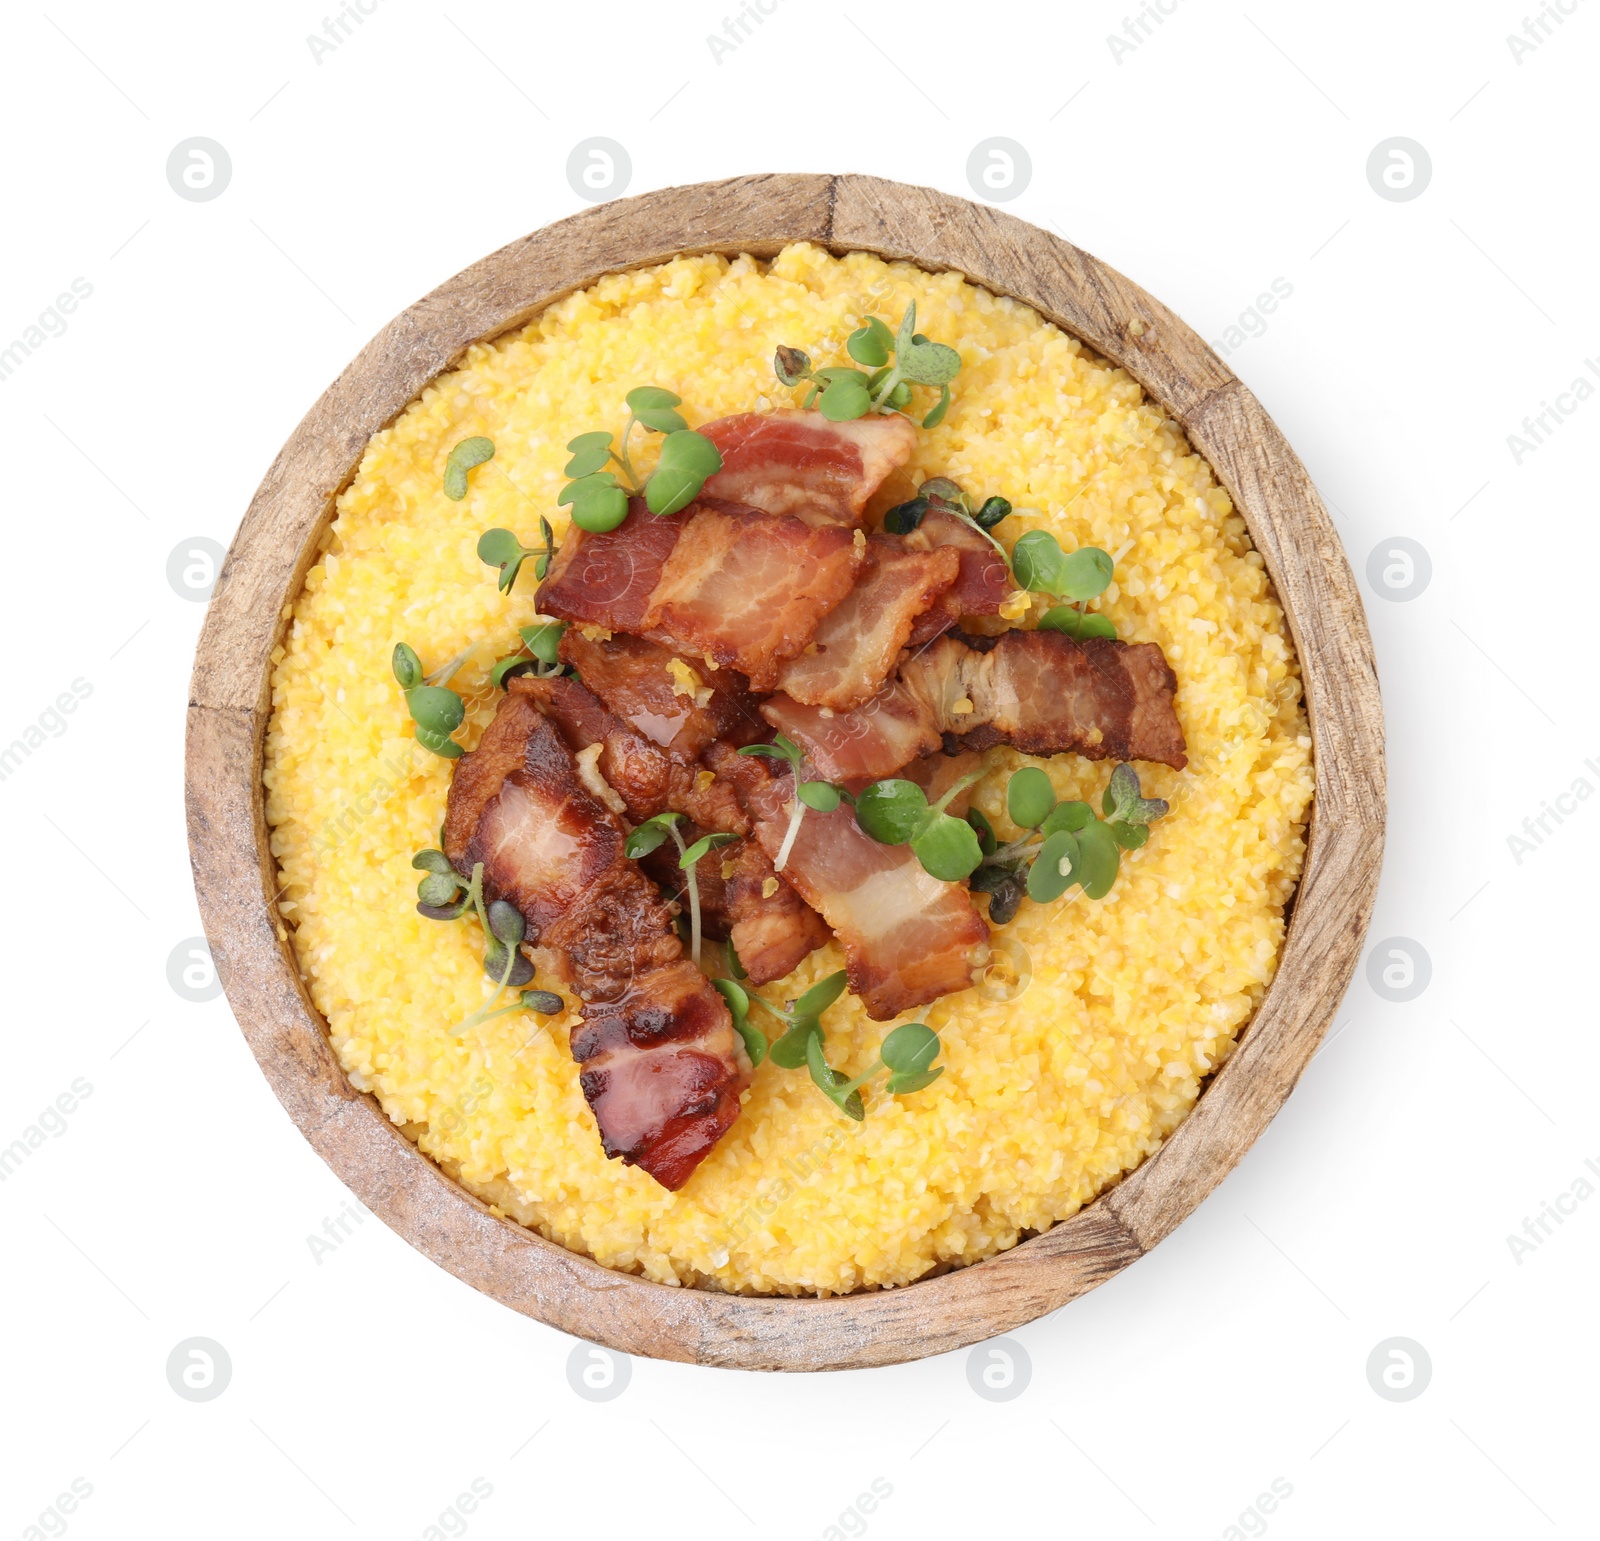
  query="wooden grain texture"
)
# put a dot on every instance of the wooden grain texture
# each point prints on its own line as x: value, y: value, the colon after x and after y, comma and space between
x: 235, y: 876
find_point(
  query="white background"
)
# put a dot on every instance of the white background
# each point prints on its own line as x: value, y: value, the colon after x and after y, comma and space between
x: 1227, y: 149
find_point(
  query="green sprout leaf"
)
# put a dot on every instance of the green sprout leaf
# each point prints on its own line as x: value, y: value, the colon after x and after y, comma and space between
x: 871, y: 345
x: 463, y: 458
x: 440, y: 744
x: 543, y: 640
x: 907, y: 334
x: 1129, y: 836
x: 687, y: 459
x: 590, y: 451
x: 1076, y: 624
x: 781, y: 748
x: 821, y: 795
x: 432, y: 861
x: 649, y: 835
x: 993, y: 511
x: 789, y: 1051
x: 1071, y: 816
x: 435, y: 708
x: 948, y: 848
x: 928, y: 363
x: 836, y: 1087
x: 1030, y: 798
x: 598, y: 503
x: 984, y: 830
x: 650, y: 398
x: 821, y: 995
x: 934, y: 417
x: 1036, y: 561
x: 1098, y: 859
x: 701, y: 846
x: 1054, y: 870
x: 908, y: 1052
x: 755, y: 1042
x: 1085, y: 574
x: 407, y: 666
x: 893, y: 811
x: 846, y: 399
x: 1124, y: 800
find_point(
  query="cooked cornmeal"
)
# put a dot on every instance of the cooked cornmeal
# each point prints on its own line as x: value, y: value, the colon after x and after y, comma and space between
x: 1089, y: 1037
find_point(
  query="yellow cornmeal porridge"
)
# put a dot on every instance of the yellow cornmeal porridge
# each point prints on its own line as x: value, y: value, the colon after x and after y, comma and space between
x: 1085, y: 1044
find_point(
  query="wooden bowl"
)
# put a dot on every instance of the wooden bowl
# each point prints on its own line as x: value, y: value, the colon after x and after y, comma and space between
x: 236, y: 879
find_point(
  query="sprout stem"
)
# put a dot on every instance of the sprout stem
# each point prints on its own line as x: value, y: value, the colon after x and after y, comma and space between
x: 797, y: 813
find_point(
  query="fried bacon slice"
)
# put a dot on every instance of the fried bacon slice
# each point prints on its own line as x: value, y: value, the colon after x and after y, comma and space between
x: 662, y: 1066
x: 770, y: 930
x: 982, y: 586
x: 908, y: 938
x: 1038, y: 691
x: 609, y: 580
x: 874, y: 740
x: 858, y: 642
x: 796, y: 462
x: 663, y: 698
x: 746, y: 589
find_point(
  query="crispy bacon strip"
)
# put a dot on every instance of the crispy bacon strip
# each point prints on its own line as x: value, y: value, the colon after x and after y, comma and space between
x: 907, y: 937
x: 859, y: 641
x: 872, y: 741
x: 609, y: 580
x: 983, y: 584
x: 746, y: 589
x: 1039, y: 691
x: 795, y: 462
x: 662, y: 1066
x: 655, y: 692
x: 771, y: 932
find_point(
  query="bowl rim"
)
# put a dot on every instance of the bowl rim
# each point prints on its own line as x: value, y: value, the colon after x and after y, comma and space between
x: 276, y: 544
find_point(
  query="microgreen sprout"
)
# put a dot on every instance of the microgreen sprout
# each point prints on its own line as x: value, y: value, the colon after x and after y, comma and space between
x: 823, y: 796
x: 443, y: 895
x: 1040, y: 564
x: 898, y: 360
x: 648, y: 835
x: 463, y: 458
x: 600, y: 502
x: 907, y: 1052
x: 500, y: 548
x: 941, y: 494
x: 436, y: 711
x: 897, y: 812
x: 1062, y: 844
x: 539, y: 654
